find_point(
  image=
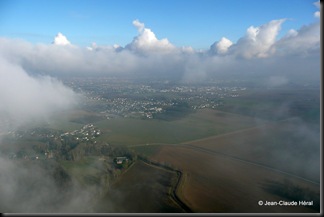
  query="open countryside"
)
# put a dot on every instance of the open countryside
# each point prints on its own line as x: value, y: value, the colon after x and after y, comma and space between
x: 197, y: 160
x: 160, y: 107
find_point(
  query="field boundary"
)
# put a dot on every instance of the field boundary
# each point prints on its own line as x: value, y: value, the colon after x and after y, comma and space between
x: 208, y: 151
x: 176, y: 187
x: 268, y: 124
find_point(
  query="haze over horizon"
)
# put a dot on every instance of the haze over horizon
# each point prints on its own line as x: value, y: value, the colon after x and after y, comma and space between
x: 295, y: 51
x: 32, y: 69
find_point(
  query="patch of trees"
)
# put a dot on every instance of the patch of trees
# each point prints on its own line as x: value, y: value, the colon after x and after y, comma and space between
x: 176, y: 111
x: 87, y: 119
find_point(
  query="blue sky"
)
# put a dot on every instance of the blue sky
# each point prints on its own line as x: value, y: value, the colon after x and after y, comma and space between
x: 240, y: 40
x: 196, y: 23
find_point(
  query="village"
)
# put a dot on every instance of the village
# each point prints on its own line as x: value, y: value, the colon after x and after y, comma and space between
x: 54, y: 145
x: 87, y: 133
x: 49, y: 142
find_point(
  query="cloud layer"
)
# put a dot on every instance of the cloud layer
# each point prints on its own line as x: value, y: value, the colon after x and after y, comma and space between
x: 146, y: 54
x: 26, y: 68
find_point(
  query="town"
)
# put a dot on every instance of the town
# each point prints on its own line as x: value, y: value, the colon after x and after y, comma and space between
x: 114, y: 97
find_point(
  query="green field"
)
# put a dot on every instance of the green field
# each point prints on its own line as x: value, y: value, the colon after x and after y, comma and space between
x: 200, y: 124
x: 147, y: 150
x: 90, y: 172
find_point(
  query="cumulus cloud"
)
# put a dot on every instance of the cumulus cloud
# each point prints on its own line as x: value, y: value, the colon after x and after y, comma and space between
x: 60, y: 39
x: 317, y: 13
x: 148, y: 55
x: 302, y: 42
x: 258, y: 40
x: 147, y: 41
x: 140, y: 26
x: 221, y: 47
x: 291, y: 33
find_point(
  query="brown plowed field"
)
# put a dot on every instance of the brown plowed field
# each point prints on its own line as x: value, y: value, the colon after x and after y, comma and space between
x: 217, y: 183
x: 283, y: 146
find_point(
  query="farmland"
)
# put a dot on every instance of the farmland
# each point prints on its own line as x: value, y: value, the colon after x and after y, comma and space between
x: 272, y: 160
x: 282, y: 145
x: 200, y: 124
x: 233, y: 146
x: 143, y: 188
x: 233, y: 171
x: 220, y: 184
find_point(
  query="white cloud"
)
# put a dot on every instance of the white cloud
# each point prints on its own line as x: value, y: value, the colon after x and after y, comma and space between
x: 146, y: 41
x: 258, y: 40
x: 60, y: 39
x: 291, y: 33
x: 317, y: 14
x: 221, y: 47
x: 301, y: 42
x: 147, y: 54
x: 140, y: 26
x: 24, y: 98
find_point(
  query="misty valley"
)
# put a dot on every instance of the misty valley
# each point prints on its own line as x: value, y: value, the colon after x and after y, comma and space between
x: 165, y: 146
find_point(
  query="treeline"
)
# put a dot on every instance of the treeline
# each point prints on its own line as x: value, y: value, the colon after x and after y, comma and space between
x: 66, y: 152
x: 178, y: 110
x: 48, y: 144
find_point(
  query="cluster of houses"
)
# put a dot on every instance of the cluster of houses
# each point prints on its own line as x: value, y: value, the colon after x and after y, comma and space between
x: 86, y: 133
